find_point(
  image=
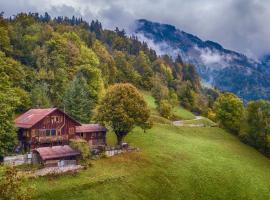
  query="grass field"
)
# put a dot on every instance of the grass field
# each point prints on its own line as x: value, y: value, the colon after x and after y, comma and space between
x: 173, y: 163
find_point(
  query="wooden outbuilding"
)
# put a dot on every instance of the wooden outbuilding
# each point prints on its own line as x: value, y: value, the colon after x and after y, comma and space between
x: 94, y: 134
x: 55, y: 156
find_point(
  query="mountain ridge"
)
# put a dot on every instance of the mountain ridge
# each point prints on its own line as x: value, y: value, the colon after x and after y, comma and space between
x: 222, y: 68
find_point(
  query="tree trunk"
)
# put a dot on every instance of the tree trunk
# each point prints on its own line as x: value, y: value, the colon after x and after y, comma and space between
x: 120, y: 138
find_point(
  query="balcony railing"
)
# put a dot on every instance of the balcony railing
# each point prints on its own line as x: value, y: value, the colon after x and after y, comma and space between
x: 50, y: 139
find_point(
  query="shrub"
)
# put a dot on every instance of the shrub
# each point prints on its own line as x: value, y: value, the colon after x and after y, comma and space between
x: 165, y: 109
x: 82, y: 146
x: 12, y: 185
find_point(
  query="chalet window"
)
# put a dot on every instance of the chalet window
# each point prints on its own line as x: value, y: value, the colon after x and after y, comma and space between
x: 41, y: 132
x: 48, y: 132
x: 58, y: 119
x: 53, y: 132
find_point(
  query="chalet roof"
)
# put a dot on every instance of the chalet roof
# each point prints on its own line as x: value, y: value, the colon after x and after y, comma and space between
x: 33, y: 116
x: 56, y: 152
x: 86, y: 128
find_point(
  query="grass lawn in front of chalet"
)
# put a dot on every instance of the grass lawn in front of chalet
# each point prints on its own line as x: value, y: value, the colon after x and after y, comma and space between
x: 173, y: 163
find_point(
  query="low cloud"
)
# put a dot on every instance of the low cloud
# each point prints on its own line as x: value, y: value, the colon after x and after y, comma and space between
x: 161, y: 48
x: 209, y: 57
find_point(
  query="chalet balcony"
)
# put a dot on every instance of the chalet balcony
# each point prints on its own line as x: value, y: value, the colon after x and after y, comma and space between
x: 52, y: 139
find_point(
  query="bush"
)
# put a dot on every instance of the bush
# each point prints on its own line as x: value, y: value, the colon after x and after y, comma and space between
x: 82, y: 146
x: 12, y: 185
x: 165, y: 109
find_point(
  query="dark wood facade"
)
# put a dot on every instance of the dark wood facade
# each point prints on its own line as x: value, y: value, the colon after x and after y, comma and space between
x: 55, y: 128
x: 94, y: 134
x: 94, y: 138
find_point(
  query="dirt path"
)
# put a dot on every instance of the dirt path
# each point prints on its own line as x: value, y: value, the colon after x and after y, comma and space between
x: 182, y: 122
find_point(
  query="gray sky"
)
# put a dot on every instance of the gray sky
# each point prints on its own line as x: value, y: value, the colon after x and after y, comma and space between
x: 241, y: 25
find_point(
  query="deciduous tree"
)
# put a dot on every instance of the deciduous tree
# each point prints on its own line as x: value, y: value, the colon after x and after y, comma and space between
x: 123, y: 108
x: 229, y: 111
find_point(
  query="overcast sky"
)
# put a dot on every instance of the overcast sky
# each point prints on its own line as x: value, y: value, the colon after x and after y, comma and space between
x: 241, y: 25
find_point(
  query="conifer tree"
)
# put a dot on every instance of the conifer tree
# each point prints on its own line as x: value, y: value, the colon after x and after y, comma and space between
x: 77, y: 100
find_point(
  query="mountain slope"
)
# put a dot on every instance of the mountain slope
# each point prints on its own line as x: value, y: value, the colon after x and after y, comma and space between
x: 219, y: 67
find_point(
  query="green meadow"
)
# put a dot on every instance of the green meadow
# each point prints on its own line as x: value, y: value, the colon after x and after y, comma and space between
x: 172, y: 163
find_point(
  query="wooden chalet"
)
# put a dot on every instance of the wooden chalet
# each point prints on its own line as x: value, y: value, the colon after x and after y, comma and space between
x: 50, y: 127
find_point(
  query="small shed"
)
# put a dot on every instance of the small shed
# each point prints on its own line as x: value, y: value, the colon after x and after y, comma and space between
x: 55, y: 156
x: 94, y: 134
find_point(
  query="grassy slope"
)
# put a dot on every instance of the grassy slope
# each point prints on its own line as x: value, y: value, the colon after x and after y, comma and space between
x: 178, y: 112
x: 173, y: 163
x: 182, y: 113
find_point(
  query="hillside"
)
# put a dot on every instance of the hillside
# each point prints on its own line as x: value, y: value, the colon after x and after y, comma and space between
x: 217, y: 66
x: 81, y: 68
x: 173, y: 163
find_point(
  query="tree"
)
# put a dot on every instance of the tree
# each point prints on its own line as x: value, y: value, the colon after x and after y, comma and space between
x: 123, y: 108
x: 8, y: 104
x: 165, y: 109
x: 77, y: 100
x: 39, y: 96
x: 258, y: 125
x: 229, y: 111
x: 159, y: 90
x: 186, y: 95
x: 143, y: 66
x: 12, y: 186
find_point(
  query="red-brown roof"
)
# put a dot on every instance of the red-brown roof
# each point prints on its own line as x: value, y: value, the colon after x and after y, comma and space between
x: 56, y: 152
x: 33, y: 116
x: 86, y: 128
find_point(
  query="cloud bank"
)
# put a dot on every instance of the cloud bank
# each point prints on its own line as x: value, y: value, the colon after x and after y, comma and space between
x: 240, y: 25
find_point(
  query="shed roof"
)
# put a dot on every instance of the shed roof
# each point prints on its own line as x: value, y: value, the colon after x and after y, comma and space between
x: 56, y: 152
x: 85, y: 128
x: 33, y: 116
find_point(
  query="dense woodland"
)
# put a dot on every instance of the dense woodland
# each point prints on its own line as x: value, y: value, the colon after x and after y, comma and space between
x: 69, y: 63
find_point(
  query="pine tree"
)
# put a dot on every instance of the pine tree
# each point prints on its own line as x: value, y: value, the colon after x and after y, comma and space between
x: 77, y: 100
